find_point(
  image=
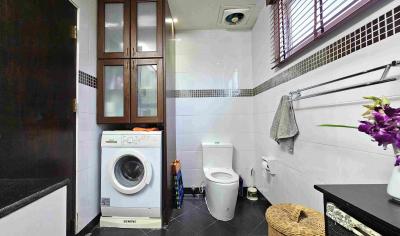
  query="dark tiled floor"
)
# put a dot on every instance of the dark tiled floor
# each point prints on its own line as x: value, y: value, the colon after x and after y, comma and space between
x: 195, y: 220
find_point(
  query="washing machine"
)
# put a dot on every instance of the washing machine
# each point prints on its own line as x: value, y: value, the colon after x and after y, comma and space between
x: 131, y: 178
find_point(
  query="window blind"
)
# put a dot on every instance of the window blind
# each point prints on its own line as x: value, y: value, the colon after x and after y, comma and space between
x: 296, y: 23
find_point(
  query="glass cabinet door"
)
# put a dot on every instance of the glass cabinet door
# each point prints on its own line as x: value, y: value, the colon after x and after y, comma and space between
x: 113, y: 91
x: 147, y: 91
x: 146, y: 30
x: 114, y: 29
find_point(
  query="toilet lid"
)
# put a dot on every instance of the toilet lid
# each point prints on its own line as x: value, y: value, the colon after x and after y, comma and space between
x: 220, y: 175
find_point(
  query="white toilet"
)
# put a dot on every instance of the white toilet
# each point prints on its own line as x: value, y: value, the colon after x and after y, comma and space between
x: 222, y: 182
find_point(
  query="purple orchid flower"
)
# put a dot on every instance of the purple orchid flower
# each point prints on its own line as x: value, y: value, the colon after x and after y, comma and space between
x: 365, y: 127
x: 397, y: 140
x: 392, y: 112
x: 381, y: 118
x: 383, y: 126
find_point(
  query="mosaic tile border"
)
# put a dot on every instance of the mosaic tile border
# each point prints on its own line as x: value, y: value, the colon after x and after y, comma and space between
x: 87, y: 79
x: 170, y: 93
x: 214, y: 93
x: 373, y: 32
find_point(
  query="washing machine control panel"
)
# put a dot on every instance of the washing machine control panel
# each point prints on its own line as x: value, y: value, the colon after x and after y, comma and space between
x: 131, y: 140
x: 141, y: 140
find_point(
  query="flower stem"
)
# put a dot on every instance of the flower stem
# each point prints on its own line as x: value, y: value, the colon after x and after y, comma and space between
x: 339, y: 126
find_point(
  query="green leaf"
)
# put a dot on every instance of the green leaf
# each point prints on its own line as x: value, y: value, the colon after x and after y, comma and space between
x: 373, y: 98
x: 338, y: 126
x: 367, y: 113
x: 369, y: 107
x: 385, y: 101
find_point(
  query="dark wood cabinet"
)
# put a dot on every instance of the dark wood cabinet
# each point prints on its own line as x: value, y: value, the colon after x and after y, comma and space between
x: 146, y: 28
x: 362, y: 209
x: 130, y: 73
x: 114, y: 29
x: 130, y: 91
x: 147, y: 89
x: 130, y: 29
x: 113, y: 91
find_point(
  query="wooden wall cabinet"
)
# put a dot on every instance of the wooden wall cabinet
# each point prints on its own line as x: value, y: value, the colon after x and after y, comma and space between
x: 130, y: 74
x: 147, y: 89
x: 130, y: 29
x: 113, y: 91
x: 130, y: 91
x: 113, y: 29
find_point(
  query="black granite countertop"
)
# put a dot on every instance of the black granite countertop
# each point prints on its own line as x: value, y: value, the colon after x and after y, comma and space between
x: 17, y: 193
x: 369, y: 199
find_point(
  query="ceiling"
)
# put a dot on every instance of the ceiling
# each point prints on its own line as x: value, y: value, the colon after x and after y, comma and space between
x: 206, y: 14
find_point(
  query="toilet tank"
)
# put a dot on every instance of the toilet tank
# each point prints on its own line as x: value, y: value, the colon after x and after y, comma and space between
x: 217, y: 155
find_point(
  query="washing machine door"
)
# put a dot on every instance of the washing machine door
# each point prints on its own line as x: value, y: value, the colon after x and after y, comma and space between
x: 130, y: 173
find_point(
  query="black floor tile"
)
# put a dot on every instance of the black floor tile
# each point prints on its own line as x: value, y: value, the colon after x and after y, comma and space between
x: 147, y: 230
x: 261, y: 229
x: 196, y: 201
x: 221, y: 228
x: 245, y: 221
x: 202, y: 206
x: 254, y: 209
x: 188, y: 205
x: 196, y: 220
x: 117, y: 232
x: 175, y: 228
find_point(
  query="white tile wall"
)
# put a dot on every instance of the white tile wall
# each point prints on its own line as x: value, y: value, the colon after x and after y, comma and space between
x: 88, y: 133
x: 213, y: 59
x: 214, y: 119
x: 87, y: 35
x: 322, y: 155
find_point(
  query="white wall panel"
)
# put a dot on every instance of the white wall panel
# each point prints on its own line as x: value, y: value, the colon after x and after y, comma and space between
x: 88, y: 132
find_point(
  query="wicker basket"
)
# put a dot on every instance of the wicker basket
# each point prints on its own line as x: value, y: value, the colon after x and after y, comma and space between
x: 294, y: 220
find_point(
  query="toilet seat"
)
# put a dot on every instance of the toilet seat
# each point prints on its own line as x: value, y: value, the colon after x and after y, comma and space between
x: 221, y: 175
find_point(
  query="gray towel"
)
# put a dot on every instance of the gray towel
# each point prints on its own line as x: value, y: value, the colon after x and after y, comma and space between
x: 284, y: 127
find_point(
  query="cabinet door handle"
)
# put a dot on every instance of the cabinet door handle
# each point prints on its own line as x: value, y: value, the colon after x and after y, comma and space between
x: 133, y: 51
x: 132, y: 66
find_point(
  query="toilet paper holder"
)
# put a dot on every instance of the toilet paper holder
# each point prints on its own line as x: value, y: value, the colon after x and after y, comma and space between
x: 269, y: 164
